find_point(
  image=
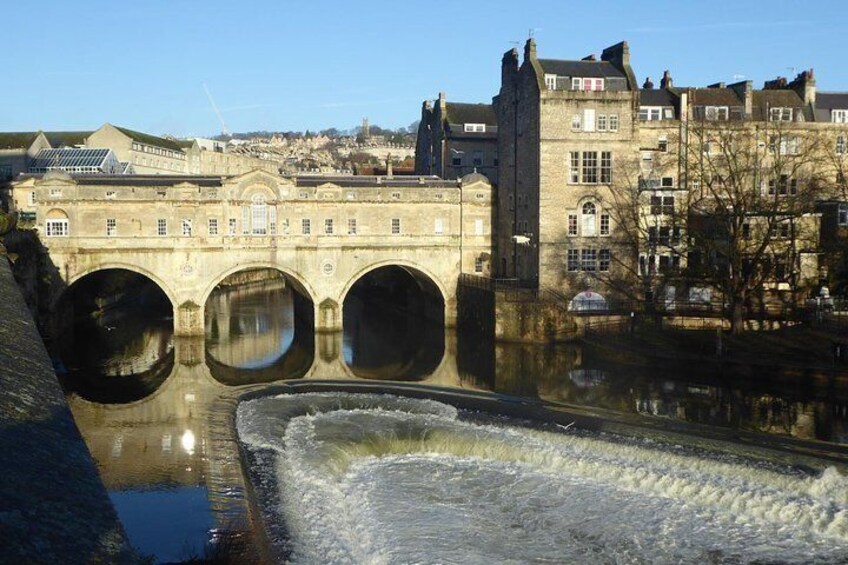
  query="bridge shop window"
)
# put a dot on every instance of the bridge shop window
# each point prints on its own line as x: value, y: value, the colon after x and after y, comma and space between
x: 395, y: 226
x: 305, y: 226
x: 231, y: 226
x: 57, y: 227
x: 213, y: 226
x: 111, y: 227
x: 328, y: 226
x: 259, y: 214
x: 439, y: 228
x: 161, y: 226
x: 351, y: 226
x: 186, y: 227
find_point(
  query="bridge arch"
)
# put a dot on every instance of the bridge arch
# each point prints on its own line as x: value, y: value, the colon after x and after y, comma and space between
x: 420, y: 273
x: 297, y: 279
x: 114, y: 265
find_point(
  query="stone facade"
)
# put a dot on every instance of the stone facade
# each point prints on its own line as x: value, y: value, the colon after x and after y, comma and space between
x: 189, y: 233
x: 456, y: 139
x: 597, y: 177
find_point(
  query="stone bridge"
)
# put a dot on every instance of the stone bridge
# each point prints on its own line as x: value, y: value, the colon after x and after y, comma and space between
x: 188, y: 234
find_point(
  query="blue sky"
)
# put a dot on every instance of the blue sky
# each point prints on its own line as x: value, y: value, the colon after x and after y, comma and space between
x: 280, y: 65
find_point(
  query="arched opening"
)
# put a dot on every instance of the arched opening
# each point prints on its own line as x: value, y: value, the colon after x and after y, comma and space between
x: 259, y: 327
x: 112, y: 336
x: 393, y: 321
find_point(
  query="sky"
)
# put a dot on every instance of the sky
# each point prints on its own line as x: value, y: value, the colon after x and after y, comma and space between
x: 282, y: 65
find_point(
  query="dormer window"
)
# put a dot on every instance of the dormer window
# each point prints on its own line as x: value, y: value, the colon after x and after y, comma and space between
x: 716, y: 113
x: 839, y: 116
x: 550, y: 81
x: 650, y: 113
x: 780, y: 114
x: 578, y: 83
x: 475, y: 128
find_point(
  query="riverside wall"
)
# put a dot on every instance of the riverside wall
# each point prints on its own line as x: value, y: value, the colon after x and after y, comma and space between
x: 53, y: 505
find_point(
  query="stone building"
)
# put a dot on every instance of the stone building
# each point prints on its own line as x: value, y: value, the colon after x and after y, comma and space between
x: 19, y: 149
x: 563, y: 125
x: 605, y: 186
x: 455, y: 139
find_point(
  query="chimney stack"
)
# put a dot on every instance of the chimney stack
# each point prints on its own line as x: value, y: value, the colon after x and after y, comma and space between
x: 665, y: 82
x: 648, y: 85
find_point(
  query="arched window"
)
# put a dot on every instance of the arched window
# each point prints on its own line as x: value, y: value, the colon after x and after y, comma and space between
x: 259, y: 214
x: 56, y: 223
x: 588, y: 219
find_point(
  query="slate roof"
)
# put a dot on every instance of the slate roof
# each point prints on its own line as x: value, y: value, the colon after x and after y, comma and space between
x: 371, y: 181
x: 832, y: 100
x: 148, y: 139
x: 589, y: 69
x: 66, y: 138
x: 657, y: 97
x: 17, y: 139
x: 764, y: 99
x: 147, y: 180
x: 714, y: 97
x: 461, y: 113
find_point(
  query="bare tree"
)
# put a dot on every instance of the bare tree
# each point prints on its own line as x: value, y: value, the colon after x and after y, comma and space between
x: 751, y: 194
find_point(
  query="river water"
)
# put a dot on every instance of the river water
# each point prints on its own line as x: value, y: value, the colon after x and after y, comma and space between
x: 157, y: 414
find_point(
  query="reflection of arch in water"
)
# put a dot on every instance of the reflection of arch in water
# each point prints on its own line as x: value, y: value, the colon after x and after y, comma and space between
x: 293, y: 364
x: 274, y: 353
x: 387, y: 342
x: 124, y: 389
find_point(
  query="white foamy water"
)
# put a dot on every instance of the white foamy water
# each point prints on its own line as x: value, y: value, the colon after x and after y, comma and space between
x: 381, y: 479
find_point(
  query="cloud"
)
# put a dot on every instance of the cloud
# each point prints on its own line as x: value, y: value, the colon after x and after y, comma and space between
x: 721, y: 26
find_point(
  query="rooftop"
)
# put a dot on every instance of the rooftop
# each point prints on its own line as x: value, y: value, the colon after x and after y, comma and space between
x: 583, y: 69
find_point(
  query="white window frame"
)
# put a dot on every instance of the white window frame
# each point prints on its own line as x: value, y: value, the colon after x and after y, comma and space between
x: 186, y: 227
x: 842, y: 214
x: 588, y: 220
x: 478, y: 264
x: 351, y: 226
x: 395, y: 226
x: 161, y: 227
x: 780, y: 114
x: 212, y: 226
x: 478, y: 227
x: 57, y: 227
x: 613, y: 122
x: 589, y: 119
x: 602, y: 122
x: 716, y: 113
x: 232, y: 226
x: 840, y: 144
x: 306, y: 226
x: 576, y: 122
x: 650, y: 113
x: 550, y: 81
x: 111, y: 227
x: 329, y: 228
x: 839, y: 116
x: 474, y: 128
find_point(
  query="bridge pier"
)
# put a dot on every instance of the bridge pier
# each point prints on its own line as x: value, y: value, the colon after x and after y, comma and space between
x: 189, y: 319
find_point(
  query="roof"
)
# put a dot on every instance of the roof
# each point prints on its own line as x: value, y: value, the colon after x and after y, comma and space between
x: 66, y: 138
x: 17, y: 139
x: 69, y: 158
x: 832, y: 100
x: 590, y: 69
x: 764, y: 99
x: 140, y: 180
x: 372, y: 181
x: 461, y: 113
x: 714, y: 97
x: 148, y: 139
x: 657, y: 97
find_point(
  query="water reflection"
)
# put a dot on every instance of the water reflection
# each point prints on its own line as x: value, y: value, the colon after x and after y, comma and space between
x: 175, y: 431
x: 252, y: 326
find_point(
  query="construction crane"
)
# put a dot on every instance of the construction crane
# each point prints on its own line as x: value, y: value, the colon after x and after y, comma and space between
x: 224, y: 130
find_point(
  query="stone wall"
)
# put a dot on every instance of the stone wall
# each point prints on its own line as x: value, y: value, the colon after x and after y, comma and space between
x: 53, y: 506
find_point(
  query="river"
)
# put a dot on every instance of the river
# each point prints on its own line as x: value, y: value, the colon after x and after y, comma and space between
x: 157, y: 411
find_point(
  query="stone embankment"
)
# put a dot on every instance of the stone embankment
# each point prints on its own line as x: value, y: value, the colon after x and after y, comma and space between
x: 53, y: 505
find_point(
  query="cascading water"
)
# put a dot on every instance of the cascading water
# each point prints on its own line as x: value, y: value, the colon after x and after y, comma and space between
x: 361, y: 478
